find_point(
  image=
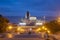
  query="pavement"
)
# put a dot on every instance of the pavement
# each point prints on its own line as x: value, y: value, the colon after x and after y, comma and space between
x: 25, y: 37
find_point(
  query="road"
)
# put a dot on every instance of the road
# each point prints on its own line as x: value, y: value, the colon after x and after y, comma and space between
x: 21, y: 39
x: 25, y: 37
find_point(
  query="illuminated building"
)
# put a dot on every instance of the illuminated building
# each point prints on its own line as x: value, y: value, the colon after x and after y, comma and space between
x: 30, y: 20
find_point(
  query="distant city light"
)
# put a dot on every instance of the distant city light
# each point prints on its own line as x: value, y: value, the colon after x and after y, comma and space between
x: 39, y: 23
x: 22, y: 24
x: 32, y: 18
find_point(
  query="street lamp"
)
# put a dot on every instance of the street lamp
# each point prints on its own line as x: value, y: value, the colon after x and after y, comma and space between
x: 20, y: 30
x: 43, y: 27
x: 58, y: 19
x: 48, y: 31
x: 38, y: 29
x: 10, y: 27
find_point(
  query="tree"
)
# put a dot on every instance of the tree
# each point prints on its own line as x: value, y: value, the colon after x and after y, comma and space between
x: 53, y: 26
x: 3, y: 23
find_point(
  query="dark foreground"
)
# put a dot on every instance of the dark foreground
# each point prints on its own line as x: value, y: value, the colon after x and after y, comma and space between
x: 26, y: 37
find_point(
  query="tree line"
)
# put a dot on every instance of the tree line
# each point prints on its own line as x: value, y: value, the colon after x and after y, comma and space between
x: 3, y: 24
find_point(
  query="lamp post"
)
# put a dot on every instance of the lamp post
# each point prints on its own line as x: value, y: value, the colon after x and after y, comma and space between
x: 58, y: 19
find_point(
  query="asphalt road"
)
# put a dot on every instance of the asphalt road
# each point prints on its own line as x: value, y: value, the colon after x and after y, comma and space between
x: 25, y: 37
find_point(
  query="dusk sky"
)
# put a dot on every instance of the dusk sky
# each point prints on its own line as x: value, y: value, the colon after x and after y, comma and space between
x: 35, y: 7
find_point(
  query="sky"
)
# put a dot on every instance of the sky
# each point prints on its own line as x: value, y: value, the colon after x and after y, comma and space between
x: 35, y: 7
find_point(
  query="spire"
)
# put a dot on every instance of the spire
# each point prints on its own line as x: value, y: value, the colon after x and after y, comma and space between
x: 27, y: 15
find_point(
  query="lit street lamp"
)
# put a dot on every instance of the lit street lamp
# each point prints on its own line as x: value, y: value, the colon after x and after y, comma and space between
x: 9, y: 28
x: 9, y: 35
x: 20, y: 30
x: 58, y: 19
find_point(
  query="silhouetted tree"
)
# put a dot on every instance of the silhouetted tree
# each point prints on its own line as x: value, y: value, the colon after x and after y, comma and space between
x: 3, y: 24
x: 53, y: 26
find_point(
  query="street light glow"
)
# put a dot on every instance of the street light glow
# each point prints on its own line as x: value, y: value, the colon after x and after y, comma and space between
x: 43, y: 27
x: 48, y: 31
x: 58, y: 19
x: 19, y: 29
x: 38, y: 29
x: 10, y: 27
x: 9, y: 35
